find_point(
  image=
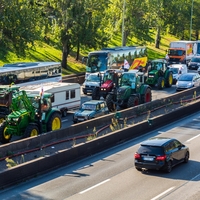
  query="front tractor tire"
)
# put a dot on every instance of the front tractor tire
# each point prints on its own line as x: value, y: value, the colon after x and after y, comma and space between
x: 109, y: 102
x: 31, y: 131
x: 133, y: 101
x: 95, y: 94
x: 4, y: 138
x: 169, y: 80
x: 54, y: 122
x: 161, y: 83
x: 147, y: 97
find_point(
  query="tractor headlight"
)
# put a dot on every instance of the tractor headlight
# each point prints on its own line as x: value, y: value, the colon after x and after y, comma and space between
x: 15, y: 119
x: 151, y: 76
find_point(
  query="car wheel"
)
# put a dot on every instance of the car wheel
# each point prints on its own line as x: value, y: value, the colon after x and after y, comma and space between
x: 168, y: 167
x: 186, y: 157
x: 139, y: 169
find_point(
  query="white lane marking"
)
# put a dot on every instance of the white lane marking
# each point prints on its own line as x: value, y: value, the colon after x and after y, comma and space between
x: 65, y: 120
x: 166, y: 191
x: 193, y: 138
x: 94, y: 186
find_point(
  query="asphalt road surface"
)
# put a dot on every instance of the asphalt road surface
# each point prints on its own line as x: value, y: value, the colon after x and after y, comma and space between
x: 111, y: 173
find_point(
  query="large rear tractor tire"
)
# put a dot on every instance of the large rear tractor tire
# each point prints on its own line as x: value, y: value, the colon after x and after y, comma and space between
x: 161, y: 83
x: 133, y: 101
x: 169, y: 80
x: 95, y: 94
x: 147, y: 97
x: 31, y: 131
x: 54, y: 122
x: 4, y: 138
x: 109, y: 102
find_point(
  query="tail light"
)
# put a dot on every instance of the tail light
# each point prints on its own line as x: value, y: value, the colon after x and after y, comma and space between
x: 137, y: 156
x: 161, y: 158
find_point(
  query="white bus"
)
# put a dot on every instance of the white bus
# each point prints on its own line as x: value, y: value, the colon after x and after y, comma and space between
x: 28, y: 73
x: 115, y: 57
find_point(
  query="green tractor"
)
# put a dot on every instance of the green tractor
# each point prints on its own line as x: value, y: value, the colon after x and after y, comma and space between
x: 131, y: 91
x: 159, y: 74
x: 30, y: 115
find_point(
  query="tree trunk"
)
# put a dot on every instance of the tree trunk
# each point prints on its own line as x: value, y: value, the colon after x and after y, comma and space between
x: 78, y: 51
x: 64, y: 57
x: 157, y: 39
x: 197, y: 35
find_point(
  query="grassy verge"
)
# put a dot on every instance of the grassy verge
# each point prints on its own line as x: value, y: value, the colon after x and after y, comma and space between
x: 44, y: 52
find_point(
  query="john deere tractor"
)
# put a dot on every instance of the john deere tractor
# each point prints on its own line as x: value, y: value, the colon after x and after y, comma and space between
x: 131, y: 91
x: 27, y: 118
x: 108, y: 80
x: 159, y: 74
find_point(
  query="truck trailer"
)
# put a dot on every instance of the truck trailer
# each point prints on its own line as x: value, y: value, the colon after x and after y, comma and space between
x: 65, y: 96
x: 181, y: 51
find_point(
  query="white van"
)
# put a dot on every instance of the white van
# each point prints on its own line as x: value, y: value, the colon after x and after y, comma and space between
x: 177, y: 70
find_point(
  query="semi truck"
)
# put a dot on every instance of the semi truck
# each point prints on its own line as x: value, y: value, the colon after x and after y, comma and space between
x: 181, y: 51
x: 65, y: 96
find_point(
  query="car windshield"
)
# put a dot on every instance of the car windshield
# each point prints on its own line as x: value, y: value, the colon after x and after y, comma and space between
x: 89, y: 107
x: 195, y: 60
x: 155, y: 150
x: 93, y: 78
x: 174, y: 70
x: 186, y: 77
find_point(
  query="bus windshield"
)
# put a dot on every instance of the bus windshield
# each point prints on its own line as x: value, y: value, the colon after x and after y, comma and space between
x: 96, y: 63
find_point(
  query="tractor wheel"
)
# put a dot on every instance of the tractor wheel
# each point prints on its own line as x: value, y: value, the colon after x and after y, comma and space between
x: 54, y: 122
x: 161, y: 83
x: 147, y: 97
x: 133, y: 101
x: 169, y: 80
x: 95, y: 94
x: 31, y: 130
x: 4, y: 138
x: 109, y: 102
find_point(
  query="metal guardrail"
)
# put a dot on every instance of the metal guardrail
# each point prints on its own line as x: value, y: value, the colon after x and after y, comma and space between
x: 74, y: 78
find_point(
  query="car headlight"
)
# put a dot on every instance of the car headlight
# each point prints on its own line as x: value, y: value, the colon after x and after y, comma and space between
x: 189, y: 84
x: 87, y: 117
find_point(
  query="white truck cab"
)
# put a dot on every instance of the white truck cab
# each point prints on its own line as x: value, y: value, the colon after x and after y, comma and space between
x: 177, y: 70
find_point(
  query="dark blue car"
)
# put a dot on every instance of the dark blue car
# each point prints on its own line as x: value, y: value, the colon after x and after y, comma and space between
x: 89, y: 110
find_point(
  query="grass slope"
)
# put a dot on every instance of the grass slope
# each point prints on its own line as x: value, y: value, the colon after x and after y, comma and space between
x: 44, y: 52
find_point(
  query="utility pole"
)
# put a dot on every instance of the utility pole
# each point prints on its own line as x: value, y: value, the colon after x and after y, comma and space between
x: 191, y: 19
x: 123, y: 16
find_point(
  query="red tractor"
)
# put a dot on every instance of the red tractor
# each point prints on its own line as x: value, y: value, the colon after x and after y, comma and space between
x: 109, y: 79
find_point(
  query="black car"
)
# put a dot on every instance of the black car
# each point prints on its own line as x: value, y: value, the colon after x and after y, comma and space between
x: 160, y: 153
x: 194, y: 63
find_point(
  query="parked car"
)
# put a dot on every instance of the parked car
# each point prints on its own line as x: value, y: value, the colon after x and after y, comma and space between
x: 160, y: 153
x: 188, y: 80
x: 177, y: 70
x: 92, y: 81
x: 194, y: 63
x: 90, y: 110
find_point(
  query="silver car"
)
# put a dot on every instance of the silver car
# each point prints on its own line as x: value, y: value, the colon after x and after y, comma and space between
x: 188, y: 80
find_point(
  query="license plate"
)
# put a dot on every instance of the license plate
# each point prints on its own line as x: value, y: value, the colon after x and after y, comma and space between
x: 80, y: 119
x: 89, y: 90
x: 148, y: 158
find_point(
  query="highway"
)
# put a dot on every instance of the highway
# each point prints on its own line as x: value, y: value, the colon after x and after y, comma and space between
x: 111, y: 173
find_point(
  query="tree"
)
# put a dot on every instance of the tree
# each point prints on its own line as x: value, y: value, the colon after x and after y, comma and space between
x: 19, y: 25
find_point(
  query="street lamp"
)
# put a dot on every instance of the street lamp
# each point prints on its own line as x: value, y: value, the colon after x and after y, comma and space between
x: 191, y: 19
x: 123, y: 14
